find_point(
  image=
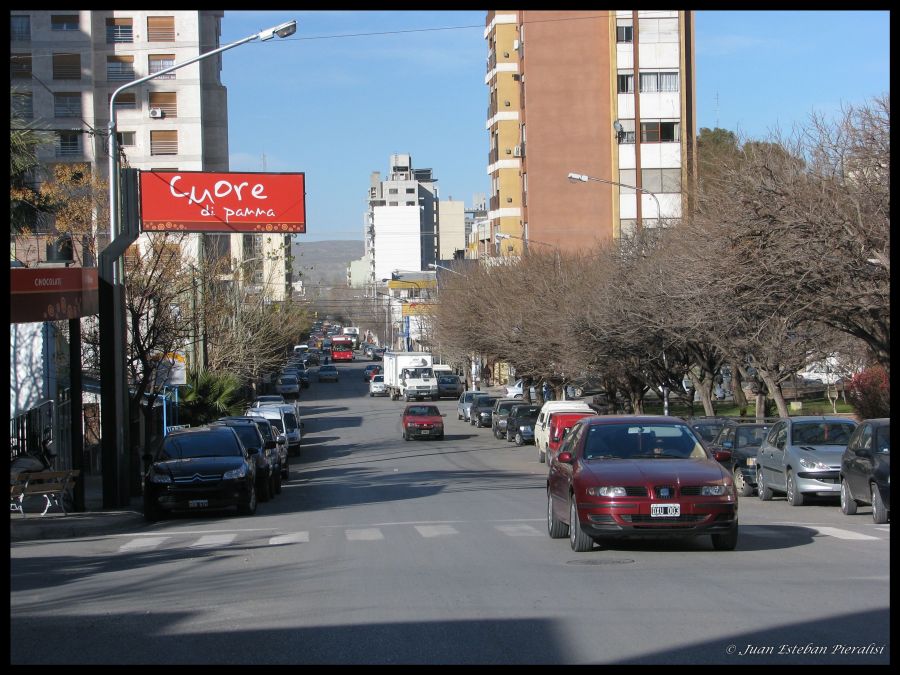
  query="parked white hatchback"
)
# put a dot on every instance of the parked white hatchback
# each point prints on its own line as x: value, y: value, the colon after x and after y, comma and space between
x: 377, y: 386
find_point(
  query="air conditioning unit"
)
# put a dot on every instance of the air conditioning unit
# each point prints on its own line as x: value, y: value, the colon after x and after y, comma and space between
x: 156, y: 113
x: 517, y: 151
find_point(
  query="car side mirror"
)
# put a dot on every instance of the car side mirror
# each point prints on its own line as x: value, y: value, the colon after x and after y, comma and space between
x: 271, y: 444
x: 565, y: 457
x: 722, y: 455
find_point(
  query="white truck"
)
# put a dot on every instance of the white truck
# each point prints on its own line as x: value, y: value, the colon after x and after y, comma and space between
x: 409, y: 375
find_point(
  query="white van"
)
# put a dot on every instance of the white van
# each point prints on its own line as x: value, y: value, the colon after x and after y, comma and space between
x: 285, y: 419
x: 542, y: 426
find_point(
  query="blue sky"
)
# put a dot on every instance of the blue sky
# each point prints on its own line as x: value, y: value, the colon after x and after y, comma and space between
x: 350, y: 88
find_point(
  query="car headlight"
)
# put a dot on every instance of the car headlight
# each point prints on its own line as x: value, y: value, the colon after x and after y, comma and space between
x: 410, y: 425
x: 525, y: 428
x: 751, y: 461
x: 812, y: 464
x: 240, y: 472
x: 714, y: 490
x: 160, y: 478
x: 606, y: 491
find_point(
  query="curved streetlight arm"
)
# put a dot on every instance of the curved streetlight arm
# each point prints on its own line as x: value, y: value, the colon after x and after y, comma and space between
x: 281, y: 30
x: 442, y: 267
x: 583, y: 178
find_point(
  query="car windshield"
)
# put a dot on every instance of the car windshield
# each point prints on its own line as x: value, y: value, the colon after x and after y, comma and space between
x: 638, y: 441
x: 505, y: 407
x: 447, y: 379
x: 749, y: 437
x: 199, y: 444
x: 269, y: 399
x: 526, y: 410
x: 248, y: 434
x: 288, y: 380
x: 821, y: 433
x: 485, y: 401
x: 422, y: 410
x: 708, y: 430
x: 290, y: 421
x: 265, y: 430
x: 278, y: 425
x: 378, y: 378
x: 327, y: 369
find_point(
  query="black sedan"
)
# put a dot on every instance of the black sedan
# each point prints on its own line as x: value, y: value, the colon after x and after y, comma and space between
x: 741, y: 439
x: 198, y: 469
x: 866, y: 469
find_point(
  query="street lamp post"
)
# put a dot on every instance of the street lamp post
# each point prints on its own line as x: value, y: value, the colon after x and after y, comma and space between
x: 114, y: 385
x: 443, y: 267
x: 583, y: 178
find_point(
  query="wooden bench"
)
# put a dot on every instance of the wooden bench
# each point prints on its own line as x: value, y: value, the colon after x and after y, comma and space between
x: 53, y: 486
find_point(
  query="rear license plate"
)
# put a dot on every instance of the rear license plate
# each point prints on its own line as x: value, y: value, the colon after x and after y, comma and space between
x: 424, y: 432
x: 665, y: 510
x: 198, y: 503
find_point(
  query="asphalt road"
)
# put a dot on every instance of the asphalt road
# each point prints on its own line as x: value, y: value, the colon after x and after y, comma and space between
x: 380, y: 551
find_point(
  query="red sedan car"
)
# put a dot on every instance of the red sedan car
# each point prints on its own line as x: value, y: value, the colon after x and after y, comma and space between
x: 638, y: 476
x: 422, y: 421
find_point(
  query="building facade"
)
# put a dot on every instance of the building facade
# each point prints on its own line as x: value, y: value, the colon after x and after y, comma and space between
x: 604, y: 93
x: 402, y: 220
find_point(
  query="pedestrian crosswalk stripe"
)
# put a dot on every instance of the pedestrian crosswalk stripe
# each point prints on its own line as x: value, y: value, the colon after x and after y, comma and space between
x: 145, y: 542
x: 210, y: 540
x: 883, y: 528
x: 436, y: 530
x: 295, y: 538
x: 364, y: 534
x: 519, y: 530
x: 842, y: 534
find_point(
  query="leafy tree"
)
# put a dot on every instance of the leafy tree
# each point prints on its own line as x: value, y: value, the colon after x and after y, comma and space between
x: 209, y: 396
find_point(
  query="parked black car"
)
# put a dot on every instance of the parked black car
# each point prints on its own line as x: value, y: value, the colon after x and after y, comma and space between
x: 378, y: 354
x: 303, y: 377
x: 500, y: 415
x: 520, y: 423
x: 866, y: 469
x: 482, y: 410
x: 198, y: 469
x: 271, y: 433
x: 707, y: 427
x: 268, y: 464
x: 742, y: 437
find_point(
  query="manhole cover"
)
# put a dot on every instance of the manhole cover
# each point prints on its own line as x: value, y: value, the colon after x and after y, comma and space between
x: 601, y: 561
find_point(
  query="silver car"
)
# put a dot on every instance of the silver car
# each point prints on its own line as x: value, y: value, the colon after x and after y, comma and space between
x: 801, y: 456
x: 377, y: 386
x: 464, y: 404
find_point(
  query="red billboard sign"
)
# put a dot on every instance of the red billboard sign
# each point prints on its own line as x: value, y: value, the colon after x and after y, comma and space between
x: 199, y: 201
x: 52, y: 293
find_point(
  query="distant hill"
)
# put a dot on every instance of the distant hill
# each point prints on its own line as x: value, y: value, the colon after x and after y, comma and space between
x: 325, y: 262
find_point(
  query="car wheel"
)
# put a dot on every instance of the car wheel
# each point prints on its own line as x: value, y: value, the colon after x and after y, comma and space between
x: 763, y: 491
x: 794, y: 496
x: 249, y: 508
x: 519, y: 440
x: 285, y: 470
x: 497, y: 434
x: 579, y: 392
x: 263, y: 491
x: 848, y: 504
x: 152, y: 512
x: 880, y: 514
x: 371, y: 394
x: 579, y: 541
x: 518, y: 396
x: 555, y: 527
x: 726, y: 541
x: 458, y: 416
x: 405, y: 437
x: 743, y: 487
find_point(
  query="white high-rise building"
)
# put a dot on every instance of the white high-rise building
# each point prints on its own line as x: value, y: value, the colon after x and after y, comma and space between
x: 402, y: 220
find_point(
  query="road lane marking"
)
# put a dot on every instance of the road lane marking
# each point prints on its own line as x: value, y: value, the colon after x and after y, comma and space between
x: 519, y: 530
x: 436, y: 530
x: 842, y: 534
x: 294, y: 538
x: 210, y: 540
x: 365, y: 534
x: 138, y: 544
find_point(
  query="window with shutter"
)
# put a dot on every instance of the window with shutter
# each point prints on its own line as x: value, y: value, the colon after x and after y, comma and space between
x: 119, y: 30
x: 120, y: 68
x: 165, y: 101
x: 164, y: 142
x: 158, y: 62
x: 67, y: 66
x: 161, y: 28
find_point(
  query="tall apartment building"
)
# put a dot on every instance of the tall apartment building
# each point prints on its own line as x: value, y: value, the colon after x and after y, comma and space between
x: 605, y: 93
x: 65, y: 65
x: 401, y: 223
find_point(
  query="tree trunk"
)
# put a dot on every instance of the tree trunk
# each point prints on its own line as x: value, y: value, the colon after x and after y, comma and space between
x: 704, y: 388
x: 737, y: 390
x: 775, y: 391
x: 760, y: 405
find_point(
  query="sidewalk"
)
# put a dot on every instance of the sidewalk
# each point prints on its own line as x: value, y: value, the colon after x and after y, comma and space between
x: 94, y: 520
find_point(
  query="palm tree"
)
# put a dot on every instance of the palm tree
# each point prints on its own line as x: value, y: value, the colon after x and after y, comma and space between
x: 209, y: 396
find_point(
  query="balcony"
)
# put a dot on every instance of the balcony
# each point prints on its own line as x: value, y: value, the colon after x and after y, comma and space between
x: 120, y: 72
x: 119, y: 34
